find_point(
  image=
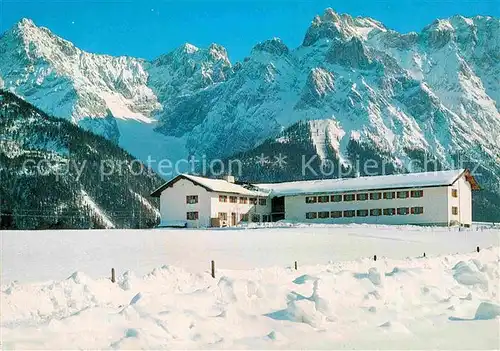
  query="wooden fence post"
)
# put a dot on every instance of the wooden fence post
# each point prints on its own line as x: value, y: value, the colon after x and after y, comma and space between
x: 295, y: 265
x: 113, y: 278
x: 374, y: 257
x: 213, y: 269
x: 477, y: 249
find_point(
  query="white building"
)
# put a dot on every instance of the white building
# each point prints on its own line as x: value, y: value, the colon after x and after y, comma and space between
x: 430, y: 198
x: 194, y: 201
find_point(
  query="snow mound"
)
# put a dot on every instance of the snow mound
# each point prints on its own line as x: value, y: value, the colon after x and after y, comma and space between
x: 469, y: 274
x: 373, y: 276
x: 304, y: 311
x: 487, y: 310
x: 330, y: 306
x: 303, y: 279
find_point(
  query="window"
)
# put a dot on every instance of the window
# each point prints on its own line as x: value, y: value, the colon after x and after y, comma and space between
x: 403, y: 194
x: 349, y: 197
x: 192, y: 216
x: 375, y: 196
x: 324, y: 214
x: 336, y: 214
x: 311, y: 199
x: 362, y: 213
x: 262, y: 202
x: 376, y: 212
x: 192, y: 199
x: 454, y: 192
x: 243, y: 200
x: 311, y: 215
x: 233, y: 199
x: 255, y: 217
x: 349, y: 213
x: 362, y: 197
x: 403, y: 211
x: 223, y: 216
x: 389, y: 211
x: 244, y: 217
x: 389, y: 195
x: 454, y: 210
x: 222, y: 198
x: 253, y: 201
x: 336, y: 198
x: 324, y: 198
x: 417, y: 210
x: 417, y: 193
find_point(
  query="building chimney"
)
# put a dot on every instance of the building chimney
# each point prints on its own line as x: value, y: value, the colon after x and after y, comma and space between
x: 228, y: 178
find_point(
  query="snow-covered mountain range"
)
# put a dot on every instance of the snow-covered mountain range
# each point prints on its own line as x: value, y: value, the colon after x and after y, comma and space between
x: 352, y: 80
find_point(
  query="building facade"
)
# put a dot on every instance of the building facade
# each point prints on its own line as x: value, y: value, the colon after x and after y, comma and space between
x: 197, y: 202
x: 432, y: 198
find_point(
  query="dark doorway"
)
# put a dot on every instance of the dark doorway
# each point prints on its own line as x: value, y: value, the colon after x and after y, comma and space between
x: 277, y: 208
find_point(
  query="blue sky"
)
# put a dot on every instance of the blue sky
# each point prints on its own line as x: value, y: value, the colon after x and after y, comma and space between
x: 150, y: 28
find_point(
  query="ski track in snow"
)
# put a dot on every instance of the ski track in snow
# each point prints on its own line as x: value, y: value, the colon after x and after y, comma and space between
x: 339, y: 298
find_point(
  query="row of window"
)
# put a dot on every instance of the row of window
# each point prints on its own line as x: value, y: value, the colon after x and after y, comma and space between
x: 193, y: 199
x: 387, y: 195
x: 402, y: 211
x: 242, y: 200
x: 244, y: 217
x: 330, y: 214
x: 365, y: 196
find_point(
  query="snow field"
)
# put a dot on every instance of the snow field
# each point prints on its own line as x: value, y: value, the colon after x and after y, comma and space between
x: 31, y: 256
x: 425, y: 303
x: 339, y: 298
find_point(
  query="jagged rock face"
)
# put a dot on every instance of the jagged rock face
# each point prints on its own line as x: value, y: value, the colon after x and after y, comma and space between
x: 437, y: 90
x: 188, y: 69
x: 274, y: 46
x: 334, y: 26
x: 178, y: 74
x: 319, y: 84
x: 350, y: 53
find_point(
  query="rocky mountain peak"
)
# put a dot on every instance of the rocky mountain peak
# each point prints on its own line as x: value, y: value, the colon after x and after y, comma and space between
x: 37, y: 41
x: 189, y: 48
x: 273, y: 46
x: 188, y: 54
x: 330, y: 15
x: 332, y: 25
x: 26, y: 23
x: 438, y: 33
x: 323, y: 27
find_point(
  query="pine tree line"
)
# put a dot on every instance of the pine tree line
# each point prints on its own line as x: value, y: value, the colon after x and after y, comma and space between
x: 34, y: 200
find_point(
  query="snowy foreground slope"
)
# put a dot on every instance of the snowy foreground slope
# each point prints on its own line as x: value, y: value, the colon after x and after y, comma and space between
x: 337, y: 299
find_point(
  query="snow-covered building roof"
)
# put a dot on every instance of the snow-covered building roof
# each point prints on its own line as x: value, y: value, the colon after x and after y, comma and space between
x: 396, y: 181
x: 215, y: 185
